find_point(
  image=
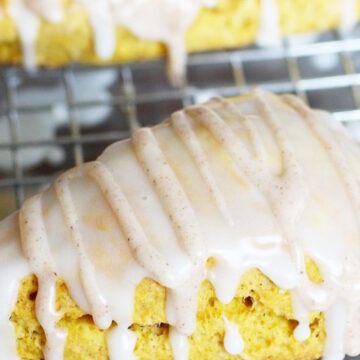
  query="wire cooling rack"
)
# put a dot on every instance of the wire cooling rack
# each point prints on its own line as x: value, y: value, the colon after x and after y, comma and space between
x: 51, y: 120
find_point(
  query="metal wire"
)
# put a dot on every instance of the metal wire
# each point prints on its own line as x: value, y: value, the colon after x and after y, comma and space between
x: 140, y: 95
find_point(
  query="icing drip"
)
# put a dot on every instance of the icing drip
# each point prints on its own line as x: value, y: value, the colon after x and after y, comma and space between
x: 232, y: 263
x: 99, y: 307
x: 348, y: 14
x: 37, y: 251
x: 335, y: 332
x: 27, y: 24
x: 301, y: 314
x: 269, y: 31
x: 121, y: 343
x: 233, y: 342
x: 103, y: 26
x: 182, y: 216
x: 179, y: 343
x: 256, y: 198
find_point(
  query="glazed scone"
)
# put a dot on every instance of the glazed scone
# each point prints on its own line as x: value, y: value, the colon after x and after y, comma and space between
x: 58, y: 32
x: 230, y: 231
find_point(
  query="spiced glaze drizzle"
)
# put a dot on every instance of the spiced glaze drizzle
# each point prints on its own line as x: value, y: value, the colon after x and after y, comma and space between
x: 241, y: 182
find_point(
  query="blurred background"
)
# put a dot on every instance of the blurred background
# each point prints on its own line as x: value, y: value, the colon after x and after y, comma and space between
x: 51, y: 120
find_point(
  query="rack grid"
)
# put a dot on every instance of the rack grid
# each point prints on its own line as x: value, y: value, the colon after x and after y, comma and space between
x: 44, y: 127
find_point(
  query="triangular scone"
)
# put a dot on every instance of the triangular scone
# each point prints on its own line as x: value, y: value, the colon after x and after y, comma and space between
x: 231, y: 230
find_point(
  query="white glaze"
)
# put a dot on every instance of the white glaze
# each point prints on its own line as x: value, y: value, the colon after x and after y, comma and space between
x: 348, y: 15
x: 121, y: 343
x: 269, y: 33
x: 233, y: 342
x: 179, y: 344
x: 268, y: 177
x: 335, y: 330
x: 103, y: 27
x: 27, y: 24
x: 301, y: 314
